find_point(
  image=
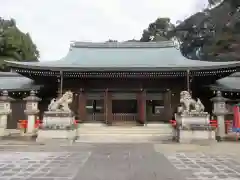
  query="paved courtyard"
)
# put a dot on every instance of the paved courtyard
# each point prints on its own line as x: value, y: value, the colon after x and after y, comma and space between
x: 204, y: 166
x: 48, y: 165
x: 119, y: 162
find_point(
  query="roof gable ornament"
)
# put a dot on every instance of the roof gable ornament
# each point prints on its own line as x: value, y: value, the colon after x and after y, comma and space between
x: 176, y: 42
x: 151, y: 38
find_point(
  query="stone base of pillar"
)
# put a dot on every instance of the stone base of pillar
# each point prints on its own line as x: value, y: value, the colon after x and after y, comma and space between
x: 31, y: 120
x: 31, y: 124
x: 221, y: 131
x: 3, y: 124
x: 57, y: 126
x: 195, y: 136
x: 2, y: 131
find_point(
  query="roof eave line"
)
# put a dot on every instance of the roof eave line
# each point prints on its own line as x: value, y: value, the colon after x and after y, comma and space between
x: 16, y: 65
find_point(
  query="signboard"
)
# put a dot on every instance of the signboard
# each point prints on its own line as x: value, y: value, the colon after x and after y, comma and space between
x: 159, y: 109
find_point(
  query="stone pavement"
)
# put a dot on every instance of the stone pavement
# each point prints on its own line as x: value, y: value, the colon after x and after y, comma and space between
x: 128, y: 162
x: 220, y: 161
x: 200, y: 166
x: 35, y: 165
x: 85, y: 161
x: 120, y: 162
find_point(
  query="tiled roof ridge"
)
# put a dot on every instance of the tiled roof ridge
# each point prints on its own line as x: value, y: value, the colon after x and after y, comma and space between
x: 160, y: 44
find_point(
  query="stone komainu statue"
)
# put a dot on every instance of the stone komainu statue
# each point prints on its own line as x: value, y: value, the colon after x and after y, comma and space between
x: 62, y: 103
x: 188, y: 104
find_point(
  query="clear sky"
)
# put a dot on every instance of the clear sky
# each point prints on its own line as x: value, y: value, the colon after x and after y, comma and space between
x: 54, y: 23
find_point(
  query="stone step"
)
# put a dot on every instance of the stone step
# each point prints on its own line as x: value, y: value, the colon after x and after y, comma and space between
x: 166, y: 131
x: 117, y: 134
x: 92, y: 125
x: 119, y: 138
x: 126, y: 127
x: 124, y: 131
x: 157, y: 125
x: 122, y: 134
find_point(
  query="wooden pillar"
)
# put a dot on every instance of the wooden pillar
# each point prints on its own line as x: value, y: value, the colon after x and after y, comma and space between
x: 188, y: 81
x: 167, y: 105
x: 108, y: 107
x: 82, y: 105
x: 142, y: 107
x: 75, y: 105
x: 60, y: 85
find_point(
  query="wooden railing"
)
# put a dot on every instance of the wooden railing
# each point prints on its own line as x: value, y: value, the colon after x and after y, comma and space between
x: 124, y: 117
x: 95, y: 117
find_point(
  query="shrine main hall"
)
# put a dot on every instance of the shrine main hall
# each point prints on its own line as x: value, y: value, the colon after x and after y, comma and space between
x: 116, y: 83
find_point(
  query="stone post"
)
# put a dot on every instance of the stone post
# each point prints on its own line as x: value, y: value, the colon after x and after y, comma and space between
x: 219, y: 110
x: 5, y: 110
x: 31, y: 111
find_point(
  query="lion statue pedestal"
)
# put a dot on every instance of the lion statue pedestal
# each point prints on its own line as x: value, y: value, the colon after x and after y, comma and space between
x: 193, y: 123
x: 58, y: 121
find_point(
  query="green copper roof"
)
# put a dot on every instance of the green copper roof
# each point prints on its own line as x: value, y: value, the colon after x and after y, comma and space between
x: 124, y: 56
x: 16, y: 82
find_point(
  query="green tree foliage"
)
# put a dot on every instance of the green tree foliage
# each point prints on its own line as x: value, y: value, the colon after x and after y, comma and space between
x: 213, y: 34
x: 233, y: 3
x: 226, y: 39
x: 157, y: 31
x: 213, y: 2
x: 15, y: 44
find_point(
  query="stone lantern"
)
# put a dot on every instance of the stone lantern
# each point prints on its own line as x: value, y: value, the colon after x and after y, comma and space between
x: 31, y: 111
x: 219, y: 110
x: 5, y: 110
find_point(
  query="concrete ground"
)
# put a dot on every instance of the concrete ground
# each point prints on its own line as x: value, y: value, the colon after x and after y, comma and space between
x: 82, y: 161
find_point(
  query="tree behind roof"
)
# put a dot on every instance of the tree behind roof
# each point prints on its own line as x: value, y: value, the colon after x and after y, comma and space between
x: 15, y: 44
x: 157, y: 30
x: 214, y: 34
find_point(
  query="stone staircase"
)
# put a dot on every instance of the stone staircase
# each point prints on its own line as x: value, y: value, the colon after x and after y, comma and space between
x: 121, y: 134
